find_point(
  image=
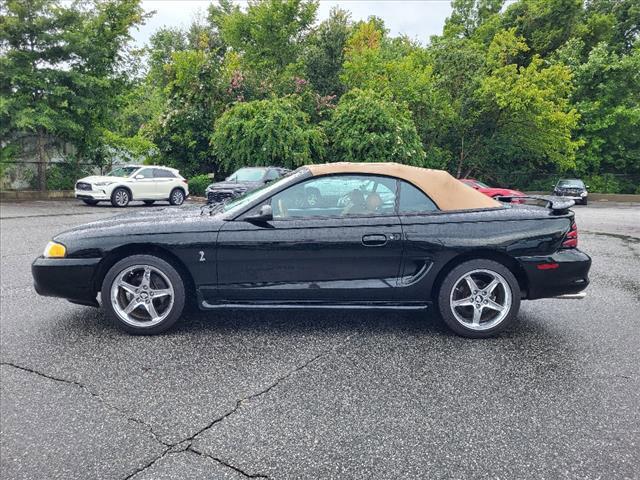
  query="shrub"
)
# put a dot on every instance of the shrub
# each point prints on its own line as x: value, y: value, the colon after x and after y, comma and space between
x: 367, y: 127
x: 198, y: 184
x: 63, y: 176
x: 266, y: 132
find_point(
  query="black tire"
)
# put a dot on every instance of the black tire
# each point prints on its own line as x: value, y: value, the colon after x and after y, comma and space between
x: 478, y: 267
x: 120, y: 197
x: 90, y: 202
x: 149, y: 202
x: 173, y: 312
x: 177, y: 196
x: 584, y: 202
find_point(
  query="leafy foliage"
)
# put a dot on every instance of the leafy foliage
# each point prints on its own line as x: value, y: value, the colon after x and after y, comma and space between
x: 512, y: 92
x: 198, y: 184
x: 266, y: 132
x: 366, y: 127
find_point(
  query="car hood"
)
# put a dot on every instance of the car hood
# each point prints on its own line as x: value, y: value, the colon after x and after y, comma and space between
x: 100, y: 178
x: 233, y: 185
x: 147, y: 221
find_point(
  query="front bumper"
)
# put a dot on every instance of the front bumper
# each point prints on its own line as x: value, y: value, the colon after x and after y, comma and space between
x: 564, y: 272
x: 575, y: 198
x: 70, y: 278
x: 91, y: 195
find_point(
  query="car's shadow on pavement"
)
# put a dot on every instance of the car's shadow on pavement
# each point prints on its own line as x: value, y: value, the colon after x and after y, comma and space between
x: 296, y: 322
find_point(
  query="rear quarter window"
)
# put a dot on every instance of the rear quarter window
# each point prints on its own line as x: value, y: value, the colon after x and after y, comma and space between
x: 413, y: 200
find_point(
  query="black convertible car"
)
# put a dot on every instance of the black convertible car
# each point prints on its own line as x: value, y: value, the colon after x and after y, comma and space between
x: 375, y: 236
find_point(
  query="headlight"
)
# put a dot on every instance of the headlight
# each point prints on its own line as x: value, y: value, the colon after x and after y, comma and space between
x: 102, y: 184
x: 54, y: 250
x: 583, y: 194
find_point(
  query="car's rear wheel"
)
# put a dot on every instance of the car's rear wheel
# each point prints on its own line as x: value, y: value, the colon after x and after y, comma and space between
x: 120, y: 197
x: 89, y: 201
x: 479, y: 298
x: 149, y: 202
x: 143, y: 294
x: 176, y: 197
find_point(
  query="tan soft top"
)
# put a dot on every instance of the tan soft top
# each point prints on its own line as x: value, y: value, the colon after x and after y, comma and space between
x: 447, y: 192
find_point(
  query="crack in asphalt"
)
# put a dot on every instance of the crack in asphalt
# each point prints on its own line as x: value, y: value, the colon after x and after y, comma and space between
x: 185, y: 445
x: 94, y: 395
x: 190, y: 449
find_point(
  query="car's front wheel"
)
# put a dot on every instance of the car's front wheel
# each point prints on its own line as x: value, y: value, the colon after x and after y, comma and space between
x: 120, y: 197
x: 144, y: 294
x: 479, y: 298
x: 176, y: 197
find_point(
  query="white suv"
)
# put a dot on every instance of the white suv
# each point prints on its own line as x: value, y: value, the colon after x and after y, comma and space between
x: 134, y: 182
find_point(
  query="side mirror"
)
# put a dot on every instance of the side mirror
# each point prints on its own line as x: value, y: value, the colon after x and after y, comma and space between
x: 265, y: 214
x: 139, y: 176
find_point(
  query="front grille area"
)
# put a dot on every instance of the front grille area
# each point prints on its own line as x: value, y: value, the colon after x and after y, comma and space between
x: 218, y: 196
x: 570, y: 192
x: 83, y: 186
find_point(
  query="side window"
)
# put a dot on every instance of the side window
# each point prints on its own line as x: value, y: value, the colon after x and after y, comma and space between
x: 145, y: 172
x: 413, y: 200
x: 271, y: 175
x: 337, y: 196
x: 162, y: 173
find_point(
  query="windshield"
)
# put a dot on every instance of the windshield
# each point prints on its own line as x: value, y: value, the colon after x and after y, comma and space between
x: 240, y: 202
x: 480, y: 184
x: 122, y: 171
x: 571, y: 183
x: 248, y: 175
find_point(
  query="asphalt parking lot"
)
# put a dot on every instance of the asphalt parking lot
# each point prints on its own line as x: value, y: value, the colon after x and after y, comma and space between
x: 320, y: 394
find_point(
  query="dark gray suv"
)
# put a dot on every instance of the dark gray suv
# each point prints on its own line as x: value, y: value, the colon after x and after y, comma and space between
x: 572, y: 188
x: 242, y: 181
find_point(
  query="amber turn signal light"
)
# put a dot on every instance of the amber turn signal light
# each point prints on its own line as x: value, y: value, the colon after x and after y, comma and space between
x: 54, y: 250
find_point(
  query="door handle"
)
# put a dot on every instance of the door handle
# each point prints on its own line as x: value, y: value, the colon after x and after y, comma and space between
x: 374, y: 240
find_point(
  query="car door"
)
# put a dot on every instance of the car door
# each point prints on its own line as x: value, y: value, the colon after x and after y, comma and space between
x: 164, y: 182
x: 143, y: 185
x: 424, y: 227
x: 336, y: 251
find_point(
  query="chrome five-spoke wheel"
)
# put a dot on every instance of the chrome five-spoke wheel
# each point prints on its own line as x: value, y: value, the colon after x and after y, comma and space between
x: 480, y: 299
x: 142, y: 296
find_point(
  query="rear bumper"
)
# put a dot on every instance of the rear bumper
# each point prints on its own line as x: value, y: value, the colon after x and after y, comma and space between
x: 564, y: 272
x: 70, y: 278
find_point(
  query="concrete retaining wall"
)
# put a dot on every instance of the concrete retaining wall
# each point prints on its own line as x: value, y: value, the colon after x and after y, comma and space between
x: 12, y: 195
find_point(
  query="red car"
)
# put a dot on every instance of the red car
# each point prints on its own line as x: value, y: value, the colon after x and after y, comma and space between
x: 491, y: 191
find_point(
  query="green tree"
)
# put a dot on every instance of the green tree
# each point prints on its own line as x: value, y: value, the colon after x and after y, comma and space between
x: 367, y: 127
x: 545, y: 25
x: 194, y: 99
x: 270, y: 33
x: 324, y: 53
x: 266, y: 132
x: 60, y: 70
x: 468, y: 15
x: 607, y: 97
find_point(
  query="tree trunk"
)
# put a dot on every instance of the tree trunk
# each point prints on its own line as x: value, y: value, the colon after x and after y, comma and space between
x: 461, y: 159
x: 42, y: 162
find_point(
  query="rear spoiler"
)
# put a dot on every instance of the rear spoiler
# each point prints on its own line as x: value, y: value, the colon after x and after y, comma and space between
x: 559, y: 205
